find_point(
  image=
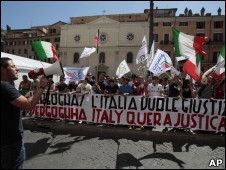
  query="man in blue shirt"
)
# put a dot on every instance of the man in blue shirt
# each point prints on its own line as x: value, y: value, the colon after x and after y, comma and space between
x: 12, y: 146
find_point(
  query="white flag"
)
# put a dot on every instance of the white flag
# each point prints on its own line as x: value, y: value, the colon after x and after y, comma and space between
x: 143, y: 52
x: 181, y: 58
x: 209, y: 72
x: 122, y: 69
x: 87, y: 51
x: 161, y: 63
x: 151, y: 55
x: 75, y: 74
x: 174, y: 71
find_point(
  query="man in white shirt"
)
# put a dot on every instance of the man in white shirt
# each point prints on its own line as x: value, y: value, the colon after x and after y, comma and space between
x: 155, y: 89
x: 82, y: 89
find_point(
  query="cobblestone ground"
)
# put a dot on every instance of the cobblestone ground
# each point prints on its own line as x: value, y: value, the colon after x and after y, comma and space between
x: 91, y: 147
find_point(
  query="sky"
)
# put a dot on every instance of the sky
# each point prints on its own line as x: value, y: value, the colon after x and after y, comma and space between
x: 25, y: 14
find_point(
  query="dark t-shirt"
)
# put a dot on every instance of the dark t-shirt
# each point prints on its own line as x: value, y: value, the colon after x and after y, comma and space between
x: 11, y: 122
x: 92, y: 82
x: 62, y: 87
x: 102, y: 85
x: 72, y: 87
x: 186, y: 94
x: 174, y: 90
x: 112, y: 90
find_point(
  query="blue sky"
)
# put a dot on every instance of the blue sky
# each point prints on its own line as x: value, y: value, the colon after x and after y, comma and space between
x: 25, y: 14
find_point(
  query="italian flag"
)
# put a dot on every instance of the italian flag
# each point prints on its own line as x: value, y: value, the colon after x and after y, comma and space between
x: 44, y: 50
x: 190, y: 47
x: 220, y: 66
x: 96, y: 40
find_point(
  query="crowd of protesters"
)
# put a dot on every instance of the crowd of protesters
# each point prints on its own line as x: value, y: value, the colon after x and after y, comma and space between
x: 150, y: 86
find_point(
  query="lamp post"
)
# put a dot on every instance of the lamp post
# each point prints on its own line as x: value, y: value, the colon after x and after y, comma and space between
x: 151, y: 38
x: 143, y: 66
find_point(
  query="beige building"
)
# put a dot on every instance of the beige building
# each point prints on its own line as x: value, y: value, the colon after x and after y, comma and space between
x: 121, y: 37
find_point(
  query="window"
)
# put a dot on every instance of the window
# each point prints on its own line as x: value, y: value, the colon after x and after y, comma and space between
x: 200, y: 25
x: 215, y: 56
x: 103, y: 37
x: 52, y: 31
x: 129, y: 57
x: 76, y: 58
x: 57, y: 46
x: 25, y: 51
x: 77, y: 38
x: 130, y: 36
x: 156, y: 37
x: 13, y: 51
x: 57, y: 39
x: 202, y: 57
x: 19, y: 51
x: 166, y: 24
x: 200, y: 34
x: 102, y: 58
x: 218, y: 24
x: 218, y: 37
x: 166, y: 38
x: 155, y: 24
x: 47, y: 40
x: 183, y: 24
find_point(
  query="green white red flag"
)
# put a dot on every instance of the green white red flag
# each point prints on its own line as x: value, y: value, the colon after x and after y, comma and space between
x: 44, y: 50
x: 191, y: 48
x: 96, y: 40
x: 220, y: 66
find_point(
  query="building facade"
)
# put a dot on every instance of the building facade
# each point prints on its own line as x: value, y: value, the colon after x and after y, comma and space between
x: 121, y: 36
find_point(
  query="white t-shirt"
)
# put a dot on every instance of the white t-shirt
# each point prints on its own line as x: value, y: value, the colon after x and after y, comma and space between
x: 84, y: 88
x: 154, y: 90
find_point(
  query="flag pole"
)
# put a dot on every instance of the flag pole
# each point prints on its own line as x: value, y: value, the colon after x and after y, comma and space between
x: 167, y: 74
x: 178, y: 68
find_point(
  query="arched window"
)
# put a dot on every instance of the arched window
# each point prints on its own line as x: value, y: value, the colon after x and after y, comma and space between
x: 129, y: 58
x: 76, y: 58
x: 102, y: 57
